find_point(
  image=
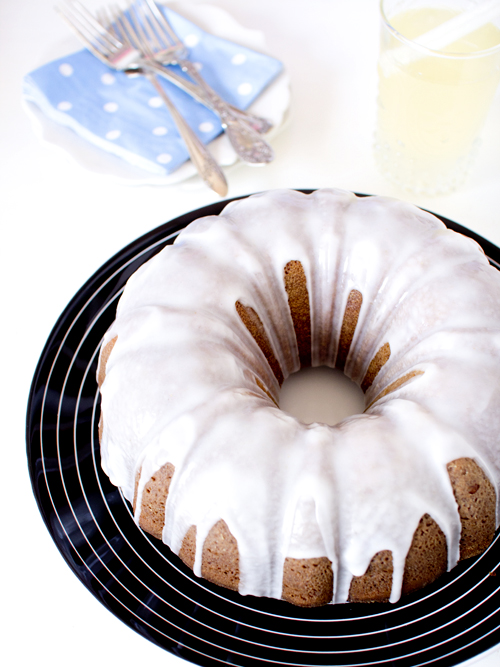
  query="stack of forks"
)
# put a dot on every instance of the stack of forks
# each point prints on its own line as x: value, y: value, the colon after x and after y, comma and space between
x: 141, y: 42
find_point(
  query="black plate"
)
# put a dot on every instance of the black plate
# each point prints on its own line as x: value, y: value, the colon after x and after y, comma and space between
x: 140, y: 581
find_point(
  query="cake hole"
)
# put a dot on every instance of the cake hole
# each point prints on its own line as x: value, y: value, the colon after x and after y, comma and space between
x: 321, y: 394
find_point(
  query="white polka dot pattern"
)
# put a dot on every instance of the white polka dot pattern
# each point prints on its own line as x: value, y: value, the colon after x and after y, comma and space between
x: 207, y: 126
x: 108, y: 79
x: 65, y: 69
x: 191, y: 40
x: 113, y: 134
x: 238, y: 59
x: 164, y: 158
x: 122, y: 114
x: 245, y: 88
x: 155, y: 102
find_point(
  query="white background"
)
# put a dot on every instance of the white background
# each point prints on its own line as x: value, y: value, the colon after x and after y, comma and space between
x: 60, y: 223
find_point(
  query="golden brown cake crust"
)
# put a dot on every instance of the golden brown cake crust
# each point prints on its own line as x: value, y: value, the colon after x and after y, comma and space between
x: 295, y: 283
x: 187, y: 551
x: 427, y: 558
x: 425, y: 562
x: 220, y: 558
x: 254, y: 325
x: 349, y: 324
x: 381, y: 358
x: 307, y: 582
x: 476, y: 500
x: 375, y: 584
x: 396, y: 384
x: 154, y: 497
x: 103, y: 360
x: 298, y: 301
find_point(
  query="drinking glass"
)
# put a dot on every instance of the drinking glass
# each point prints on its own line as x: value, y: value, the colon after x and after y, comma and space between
x: 432, y: 102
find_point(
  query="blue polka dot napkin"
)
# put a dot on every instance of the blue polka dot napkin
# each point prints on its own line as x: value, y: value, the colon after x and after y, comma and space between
x: 126, y: 117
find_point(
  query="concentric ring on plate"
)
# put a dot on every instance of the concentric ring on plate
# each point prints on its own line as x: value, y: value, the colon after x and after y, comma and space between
x: 149, y: 589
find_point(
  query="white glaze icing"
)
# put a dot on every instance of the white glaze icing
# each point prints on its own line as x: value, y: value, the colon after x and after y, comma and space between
x: 180, y: 382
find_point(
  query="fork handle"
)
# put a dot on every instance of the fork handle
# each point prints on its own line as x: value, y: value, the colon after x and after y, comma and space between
x: 203, y: 160
x: 259, y: 124
x: 248, y: 144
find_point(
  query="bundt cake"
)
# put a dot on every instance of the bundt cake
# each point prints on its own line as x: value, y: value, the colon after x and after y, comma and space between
x: 251, y: 498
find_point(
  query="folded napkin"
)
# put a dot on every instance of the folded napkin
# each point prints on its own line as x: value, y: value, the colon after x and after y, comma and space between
x: 126, y: 117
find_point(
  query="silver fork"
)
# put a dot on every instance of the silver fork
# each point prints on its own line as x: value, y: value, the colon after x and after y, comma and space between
x: 200, y: 91
x: 110, y: 50
x: 153, y: 35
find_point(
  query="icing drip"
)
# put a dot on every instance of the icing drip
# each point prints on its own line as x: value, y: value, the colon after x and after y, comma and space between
x: 187, y: 384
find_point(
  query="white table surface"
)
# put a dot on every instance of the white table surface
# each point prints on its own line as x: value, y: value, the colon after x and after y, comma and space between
x: 60, y: 223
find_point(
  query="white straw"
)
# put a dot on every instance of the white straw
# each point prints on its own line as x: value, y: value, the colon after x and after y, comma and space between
x: 444, y: 35
x: 459, y: 26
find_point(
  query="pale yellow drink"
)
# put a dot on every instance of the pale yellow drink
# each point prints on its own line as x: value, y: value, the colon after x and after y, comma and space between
x: 432, y: 105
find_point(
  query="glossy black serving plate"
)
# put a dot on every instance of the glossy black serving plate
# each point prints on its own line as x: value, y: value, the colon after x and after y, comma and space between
x: 140, y: 581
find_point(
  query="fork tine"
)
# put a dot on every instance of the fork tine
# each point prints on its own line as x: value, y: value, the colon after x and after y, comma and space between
x: 82, y: 30
x: 123, y: 26
x: 162, y: 24
x: 138, y: 31
x: 150, y: 27
x: 92, y: 25
x: 97, y: 25
x: 103, y: 43
x: 105, y: 20
x: 133, y: 31
x: 110, y: 17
